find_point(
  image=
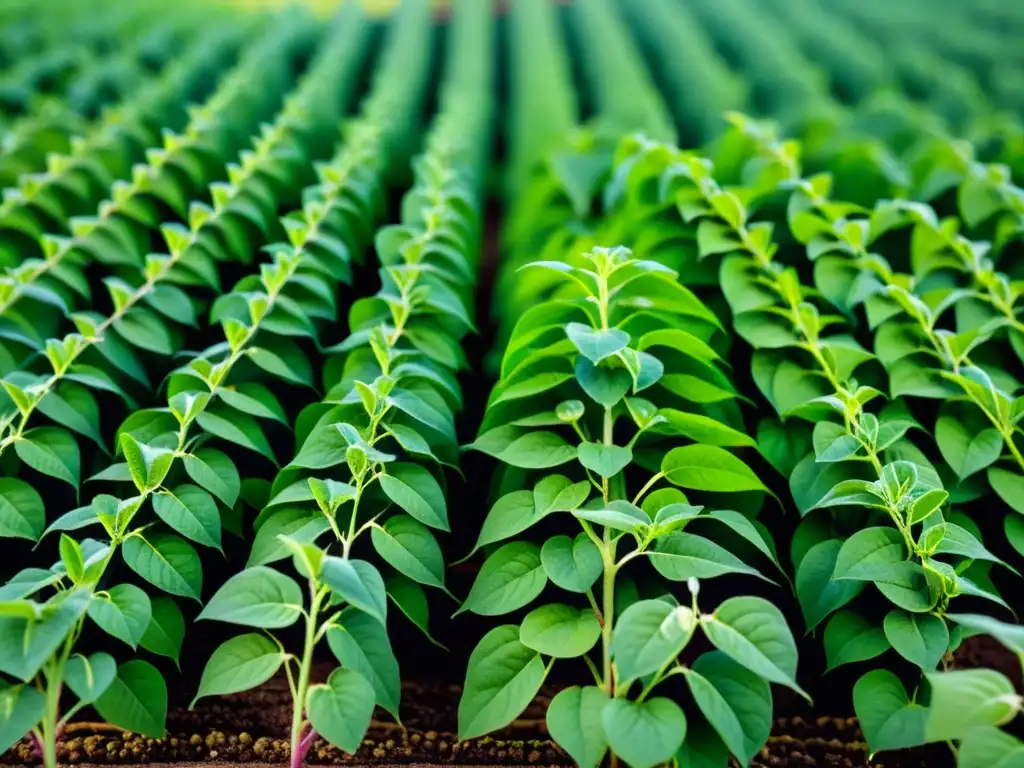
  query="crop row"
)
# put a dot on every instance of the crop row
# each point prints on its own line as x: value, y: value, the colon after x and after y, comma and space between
x: 747, y: 401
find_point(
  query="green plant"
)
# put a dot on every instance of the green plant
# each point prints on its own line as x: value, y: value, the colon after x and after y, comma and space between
x: 805, y: 366
x: 370, y: 456
x: 149, y: 306
x: 158, y: 446
x: 583, y: 364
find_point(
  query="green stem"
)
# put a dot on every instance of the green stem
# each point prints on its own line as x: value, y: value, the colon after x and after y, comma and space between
x: 302, y: 684
x: 51, y: 716
x: 608, y: 585
x: 608, y: 599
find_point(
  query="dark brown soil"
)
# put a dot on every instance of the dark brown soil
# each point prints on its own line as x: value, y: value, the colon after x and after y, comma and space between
x: 259, y: 723
x: 251, y: 728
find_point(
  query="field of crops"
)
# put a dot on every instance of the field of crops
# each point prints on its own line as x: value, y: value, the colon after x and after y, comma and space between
x: 597, y: 382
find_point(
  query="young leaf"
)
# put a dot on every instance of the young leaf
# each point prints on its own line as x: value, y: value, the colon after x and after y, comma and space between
x: 887, y: 716
x: 123, y: 611
x: 964, y: 699
x: 573, y: 565
x: 136, y: 700
x: 736, y: 702
x: 340, y: 709
x: 21, y: 709
x: 21, y: 511
x: 361, y: 643
x: 89, y: 676
x: 165, y: 561
x: 509, y: 579
x: 560, y: 630
x: 240, y: 664
x: 574, y: 722
x: 754, y: 633
x: 502, y: 678
x: 849, y: 637
x: 920, y: 638
x: 257, y: 597
x: 709, y: 468
x: 649, y: 635
x: 166, y: 629
x: 358, y: 583
x: 644, y: 734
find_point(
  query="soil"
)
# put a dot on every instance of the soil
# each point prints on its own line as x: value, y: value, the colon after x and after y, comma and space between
x: 259, y: 721
x: 250, y: 729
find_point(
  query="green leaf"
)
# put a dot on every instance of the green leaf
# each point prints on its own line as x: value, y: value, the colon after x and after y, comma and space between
x: 605, y: 460
x: 701, y: 429
x: 833, y: 443
x: 340, y: 710
x: 644, y: 734
x: 28, y: 643
x: 502, y: 678
x: 148, y: 465
x: 1009, y: 486
x: 50, y: 451
x: 920, y: 638
x: 515, y: 512
x: 254, y: 399
x: 411, y: 601
x: 986, y: 747
x: 709, y: 468
x: 300, y: 525
x: 753, y: 632
x: 415, y: 490
x: 192, y: 512
x: 736, y: 702
x: 143, y: 329
x: 605, y: 386
x: 968, y: 698
x: 123, y: 611
x: 21, y: 709
x: 620, y: 516
x: 509, y: 579
x: 165, y: 561
x: 89, y: 676
x: 966, y: 451
x: 573, y: 565
x: 867, y: 549
x: 816, y: 590
x: 238, y: 428
x: 257, y: 597
x: 358, y: 583
x: 887, y: 716
x: 1010, y: 635
x: 240, y: 664
x: 849, y: 637
x: 166, y: 629
x: 680, y: 556
x: 539, y: 449
x: 595, y: 344
x: 215, y: 472
x: 136, y: 700
x: 361, y: 643
x: 21, y: 510
x: 560, y: 630
x: 408, y: 546
x: 574, y: 722
x: 648, y: 635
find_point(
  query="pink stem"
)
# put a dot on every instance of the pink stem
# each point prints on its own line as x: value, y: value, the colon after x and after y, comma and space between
x: 304, y: 745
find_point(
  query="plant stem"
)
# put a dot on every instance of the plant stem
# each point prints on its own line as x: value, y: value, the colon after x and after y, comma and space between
x: 302, y: 684
x: 608, y: 585
x: 50, y: 718
x: 608, y: 598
